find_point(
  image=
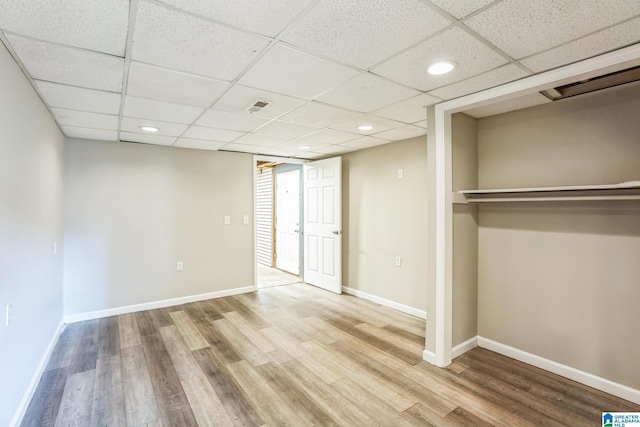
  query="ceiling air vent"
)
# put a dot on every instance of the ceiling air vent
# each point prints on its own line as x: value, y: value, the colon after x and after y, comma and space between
x: 257, y: 106
x: 596, y: 83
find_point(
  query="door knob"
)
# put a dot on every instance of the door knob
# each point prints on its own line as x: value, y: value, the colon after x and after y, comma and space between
x: 336, y: 232
x: 296, y: 231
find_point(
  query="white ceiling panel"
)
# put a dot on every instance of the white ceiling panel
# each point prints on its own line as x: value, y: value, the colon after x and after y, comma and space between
x: 261, y: 140
x: 379, y: 124
x: 264, y: 17
x: 525, y: 101
x: 594, y: 44
x: 345, y: 30
x: 46, y: 61
x: 404, y: 132
x: 131, y: 124
x: 210, y: 134
x: 318, y: 115
x: 157, y: 110
x: 408, y: 111
x: 471, y: 56
x: 295, y: 73
x: 147, y: 81
x: 366, y: 142
x: 330, y: 136
x: 421, y: 123
x: 95, y: 25
x: 285, y: 130
x: 282, y: 152
x: 183, y: 42
x: 239, y: 98
x: 85, y: 119
x: 366, y: 93
x: 295, y: 145
x: 86, y: 133
x: 147, y: 138
x: 461, y: 8
x: 492, y: 78
x: 76, y: 98
x: 231, y: 121
x: 199, y: 144
x: 242, y: 148
x: 335, y: 149
x: 531, y: 26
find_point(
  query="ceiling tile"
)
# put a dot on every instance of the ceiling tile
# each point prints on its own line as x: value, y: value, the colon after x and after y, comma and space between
x: 158, y: 110
x: 421, y: 123
x: 595, y: 44
x: 75, y: 98
x: 330, y: 136
x: 131, y: 124
x: 147, y: 138
x: 46, y: 61
x: 282, y: 152
x: 492, y: 78
x: 366, y: 93
x: 346, y: 30
x: 295, y: 145
x: 311, y: 156
x: 284, y: 130
x: 379, y: 124
x: 318, y: 115
x: 85, y: 119
x: 404, y: 132
x: 524, y: 101
x: 147, y: 81
x: 95, y: 25
x: 225, y: 120
x: 265, y: 141
x: 199, y: 144
x: 366, y: 142
x: 335, y: 149
x: 86, y: 133
x: 461, y: 8
x: 264, y: 17
x: 183, y: 42
x: 239, y: 98
x: 408, y: 111
x: 210, y: 134
x: 531, y: 26
x: 472, y: 57
x: 295, y: 73
x: 242, y: 148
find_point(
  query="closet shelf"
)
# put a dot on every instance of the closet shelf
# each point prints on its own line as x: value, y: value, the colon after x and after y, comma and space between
x: 623, y: 191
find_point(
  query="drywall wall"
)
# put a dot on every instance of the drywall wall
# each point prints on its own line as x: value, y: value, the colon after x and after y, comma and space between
x: 31, y: 188
x: 560, y: 280
x: 132, y: 211
x: 384, y: 217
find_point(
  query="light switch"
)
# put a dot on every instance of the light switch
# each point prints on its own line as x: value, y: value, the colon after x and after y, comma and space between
x: 245, y: 219
x: 227, y: 219
x: 400, y: 173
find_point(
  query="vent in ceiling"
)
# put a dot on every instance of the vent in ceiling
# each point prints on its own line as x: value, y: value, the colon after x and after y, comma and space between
x: 257, y: 106
x: 596, y: 83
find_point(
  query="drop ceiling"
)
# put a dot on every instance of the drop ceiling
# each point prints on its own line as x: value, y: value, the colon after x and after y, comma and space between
x: 191, y: 68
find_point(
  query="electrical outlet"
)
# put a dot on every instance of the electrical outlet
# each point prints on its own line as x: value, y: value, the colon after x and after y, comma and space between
x: 245, y: 219
x: 179, y: 266
x: 7, y: 320
x: 398, y: 261
x: 227, y: 219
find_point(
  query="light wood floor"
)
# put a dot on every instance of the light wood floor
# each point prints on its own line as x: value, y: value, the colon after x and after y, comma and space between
x: 292, y: 355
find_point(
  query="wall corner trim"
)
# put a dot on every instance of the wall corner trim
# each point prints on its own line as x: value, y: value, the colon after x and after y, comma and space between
x: 35, y: 380
x: 462, y: 348
x: 620, y: 390
x: 72, y: 318
x: 429, y: 356
x: 385, y: 302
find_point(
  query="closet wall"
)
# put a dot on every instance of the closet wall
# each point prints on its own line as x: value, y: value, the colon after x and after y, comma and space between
x: 561, y: 280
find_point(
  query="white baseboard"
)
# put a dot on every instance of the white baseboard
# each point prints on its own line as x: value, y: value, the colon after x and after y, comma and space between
x: 429, y: 356
x: 72, y: 318
x: 462, y: 348
x: 586, y: 378
x: 385, y: 302
x: 35, y: 380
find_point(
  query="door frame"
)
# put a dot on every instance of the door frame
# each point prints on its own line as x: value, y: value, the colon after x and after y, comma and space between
x: 283, y: 169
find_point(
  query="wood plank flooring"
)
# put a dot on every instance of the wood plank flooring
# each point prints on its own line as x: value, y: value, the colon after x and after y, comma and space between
x: 291, y: 355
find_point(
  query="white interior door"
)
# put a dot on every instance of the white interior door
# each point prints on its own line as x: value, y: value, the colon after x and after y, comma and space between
x: 323, y: 224
x: 288, y: 221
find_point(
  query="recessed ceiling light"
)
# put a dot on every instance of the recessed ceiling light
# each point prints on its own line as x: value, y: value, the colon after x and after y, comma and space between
x: 304, y: 147
x: 365, y: 127
x: 149, y: 128
x: 441, y: 67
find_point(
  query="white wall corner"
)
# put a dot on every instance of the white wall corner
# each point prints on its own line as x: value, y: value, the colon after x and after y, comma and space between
x: 35, y: 380
x: 620, y: 390
x: 462, y: 348
x: 429, y: 356
x: 385, y: 302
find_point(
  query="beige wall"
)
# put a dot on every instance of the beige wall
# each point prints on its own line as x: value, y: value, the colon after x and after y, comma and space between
x: 561, y: 280
x: 383, y: 217
x: 132, y: 211
x: 31, y: 179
